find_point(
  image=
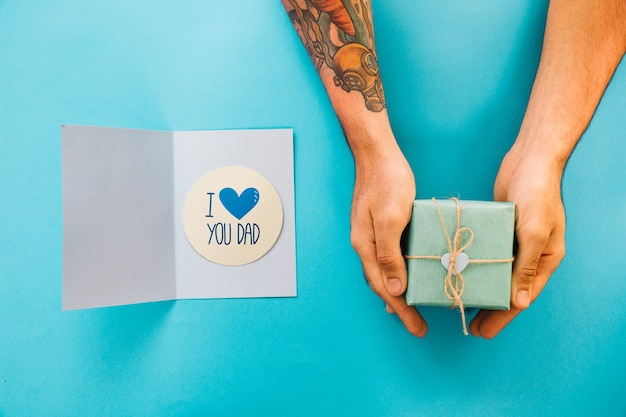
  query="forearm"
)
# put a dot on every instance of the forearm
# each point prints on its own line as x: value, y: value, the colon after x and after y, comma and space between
x: 583, y: 45
x: 339, y: 38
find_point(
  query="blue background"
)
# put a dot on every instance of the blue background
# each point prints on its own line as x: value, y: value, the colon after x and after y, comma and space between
x: 457, y: 75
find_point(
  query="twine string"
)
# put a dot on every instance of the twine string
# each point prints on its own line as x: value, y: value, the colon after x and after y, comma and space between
x: 454, y: 284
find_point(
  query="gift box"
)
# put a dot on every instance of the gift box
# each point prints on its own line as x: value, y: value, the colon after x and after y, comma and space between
x: 460, y: 254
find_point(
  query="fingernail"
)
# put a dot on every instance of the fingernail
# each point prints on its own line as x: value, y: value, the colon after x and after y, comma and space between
x: 522, y: 298
x: 394, y: 286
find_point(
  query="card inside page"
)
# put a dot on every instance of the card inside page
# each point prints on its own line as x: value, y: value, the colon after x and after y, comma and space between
x: 118, y: 237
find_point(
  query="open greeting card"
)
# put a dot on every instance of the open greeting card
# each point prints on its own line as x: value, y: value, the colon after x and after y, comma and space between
x: 154, y: 215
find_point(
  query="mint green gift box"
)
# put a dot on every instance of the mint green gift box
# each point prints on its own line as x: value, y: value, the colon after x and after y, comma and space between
x: 487, y: 232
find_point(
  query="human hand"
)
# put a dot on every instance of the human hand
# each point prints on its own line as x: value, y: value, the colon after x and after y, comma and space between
x: 384, y: 192
x: 533, y: 182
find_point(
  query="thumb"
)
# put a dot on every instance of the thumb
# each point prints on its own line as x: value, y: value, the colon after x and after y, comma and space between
x: 524, y: 270
x: 392, y: 266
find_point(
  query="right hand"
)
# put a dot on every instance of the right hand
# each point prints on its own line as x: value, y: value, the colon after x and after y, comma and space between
x: 384, y: 192
x: 533, y: 182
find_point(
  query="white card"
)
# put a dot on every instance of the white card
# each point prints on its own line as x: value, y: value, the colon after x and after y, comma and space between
x: 152, y: 215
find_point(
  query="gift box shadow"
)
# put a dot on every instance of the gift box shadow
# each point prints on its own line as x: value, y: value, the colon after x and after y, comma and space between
x: 445, y: 343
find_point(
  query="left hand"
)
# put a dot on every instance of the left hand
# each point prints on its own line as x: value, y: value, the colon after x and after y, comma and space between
x: 534, y: 184
x: 382, y: 203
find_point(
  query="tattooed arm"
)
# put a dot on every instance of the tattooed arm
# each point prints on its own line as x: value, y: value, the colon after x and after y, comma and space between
x: 583, y: 45
x: 339, y: 37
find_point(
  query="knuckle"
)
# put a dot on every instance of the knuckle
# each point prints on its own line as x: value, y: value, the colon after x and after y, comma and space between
x: 526, y: 274
x: 387, y: 260
x: 394, y: 219
x: 533, y: 233
x: 559, y: 253
x: 356, y: 243
x: 359, y: 243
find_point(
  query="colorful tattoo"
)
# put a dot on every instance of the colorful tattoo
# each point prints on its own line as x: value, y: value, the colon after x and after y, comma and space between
x: 339, y: 34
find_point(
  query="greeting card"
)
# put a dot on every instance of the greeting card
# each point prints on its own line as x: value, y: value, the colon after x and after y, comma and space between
x: 155, y: 215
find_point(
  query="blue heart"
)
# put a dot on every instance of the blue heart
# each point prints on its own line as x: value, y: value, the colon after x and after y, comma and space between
x: 239, y: 205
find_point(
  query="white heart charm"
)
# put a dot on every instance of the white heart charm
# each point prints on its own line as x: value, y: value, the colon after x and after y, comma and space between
x: 462, y: 260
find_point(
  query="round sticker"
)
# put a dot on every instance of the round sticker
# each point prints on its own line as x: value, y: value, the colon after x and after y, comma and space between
x: 232, y: 215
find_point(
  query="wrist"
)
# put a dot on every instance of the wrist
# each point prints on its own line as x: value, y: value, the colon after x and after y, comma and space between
x: 373, y: 154
x: 546, y: 147
x: 370, y: 138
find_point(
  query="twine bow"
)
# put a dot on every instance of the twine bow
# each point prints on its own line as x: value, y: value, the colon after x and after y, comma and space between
x: 454, y: 283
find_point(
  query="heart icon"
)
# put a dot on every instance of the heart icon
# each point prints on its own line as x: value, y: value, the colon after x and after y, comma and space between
x: 239, y: 205
x: 462, y: 260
